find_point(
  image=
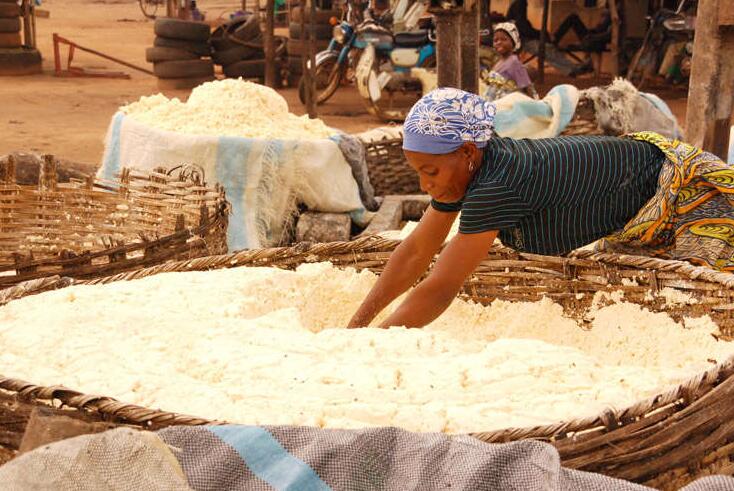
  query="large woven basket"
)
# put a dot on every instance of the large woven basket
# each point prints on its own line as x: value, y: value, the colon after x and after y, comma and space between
x: 388, y: 170
x: 665, y: 441
x: 89, y: 227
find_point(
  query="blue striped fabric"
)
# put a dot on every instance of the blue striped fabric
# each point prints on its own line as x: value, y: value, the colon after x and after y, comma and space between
x: 551, y: 196
x: 268, y: 460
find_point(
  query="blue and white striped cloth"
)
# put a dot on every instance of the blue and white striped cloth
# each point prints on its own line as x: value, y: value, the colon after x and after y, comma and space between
x: 263, y: 179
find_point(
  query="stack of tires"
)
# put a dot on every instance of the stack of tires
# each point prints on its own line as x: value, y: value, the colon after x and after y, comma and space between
x: 238, y: 47
x: 181, y: 54
x: 298, y: 46
x: 14, y: 58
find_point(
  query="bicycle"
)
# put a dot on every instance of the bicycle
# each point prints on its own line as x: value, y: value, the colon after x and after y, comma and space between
x: 150, y: 7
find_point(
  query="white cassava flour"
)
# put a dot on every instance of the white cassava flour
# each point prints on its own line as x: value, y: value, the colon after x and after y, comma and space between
x: 230, y: 107
x: 266, y: 346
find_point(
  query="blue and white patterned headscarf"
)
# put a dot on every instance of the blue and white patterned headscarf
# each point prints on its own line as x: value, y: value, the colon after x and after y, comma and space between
x: 444, y: 119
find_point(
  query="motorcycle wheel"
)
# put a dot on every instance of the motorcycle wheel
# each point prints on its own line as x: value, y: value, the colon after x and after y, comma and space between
x: 395, y: 102
x: 394, y: 105
x: 328, y: 77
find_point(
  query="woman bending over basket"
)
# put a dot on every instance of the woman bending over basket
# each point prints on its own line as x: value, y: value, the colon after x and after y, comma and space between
x: 641, y: 194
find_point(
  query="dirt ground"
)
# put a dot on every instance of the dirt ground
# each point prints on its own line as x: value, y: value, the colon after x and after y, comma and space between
x: 69, y: 116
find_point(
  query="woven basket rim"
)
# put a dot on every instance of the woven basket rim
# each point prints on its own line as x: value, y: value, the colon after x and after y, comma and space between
x: 200, y: 211
x: 682, y: 395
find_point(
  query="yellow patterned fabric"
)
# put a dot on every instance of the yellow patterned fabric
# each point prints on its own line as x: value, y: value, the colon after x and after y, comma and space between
x: 691, y: 216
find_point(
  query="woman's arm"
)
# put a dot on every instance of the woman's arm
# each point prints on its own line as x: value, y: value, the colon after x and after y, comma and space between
x: 434, y: 294
x: 407, y: 263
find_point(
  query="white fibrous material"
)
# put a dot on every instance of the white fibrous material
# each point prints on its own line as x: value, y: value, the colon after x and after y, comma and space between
x: 267, y: 346
x: 231, y: 107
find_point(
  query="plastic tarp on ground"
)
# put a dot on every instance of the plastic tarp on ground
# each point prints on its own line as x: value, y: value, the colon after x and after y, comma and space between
x: 263, y: 179
x: 287, y: 458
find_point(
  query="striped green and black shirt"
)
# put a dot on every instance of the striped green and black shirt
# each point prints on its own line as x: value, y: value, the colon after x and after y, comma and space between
x: 553, y: 195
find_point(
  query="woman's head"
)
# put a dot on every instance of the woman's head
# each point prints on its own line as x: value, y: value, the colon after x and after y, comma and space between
x: 443, y: 137
x: 506, y: 38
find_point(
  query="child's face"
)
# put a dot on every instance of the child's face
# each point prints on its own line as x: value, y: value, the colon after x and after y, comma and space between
x: 502, y: 43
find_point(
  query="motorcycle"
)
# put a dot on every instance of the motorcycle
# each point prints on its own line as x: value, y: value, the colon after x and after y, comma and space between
x: 383, y: 72
x: 334, y: 63
x: 667, y: 47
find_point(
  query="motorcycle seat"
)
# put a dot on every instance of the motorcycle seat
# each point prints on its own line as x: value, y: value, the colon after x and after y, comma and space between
x: 412, y: 39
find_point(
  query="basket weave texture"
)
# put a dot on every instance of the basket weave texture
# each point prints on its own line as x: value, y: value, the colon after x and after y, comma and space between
x: 388, y: 170
x: 664, y: 441
x: 91, y: 227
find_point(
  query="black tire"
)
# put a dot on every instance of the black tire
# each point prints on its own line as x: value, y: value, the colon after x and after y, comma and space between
x: 238, y: 53
x: 328, y: 78
x: 182, y: 83
x: 20, y: 62
x: 322, y: 31
x: 184, y: 69
x: 9, y: 10
x: 155, y: 55
x: 297, y: 47
x: 231, y: 42
x: 182, y: 29
x: 236, y: 33
x: 245, y: 31
x: 199, y: 49
x: 322, y: 16
x: 10, y: 25
x: 218, y: 38
x: 10, y: 40
x: 246, y: 69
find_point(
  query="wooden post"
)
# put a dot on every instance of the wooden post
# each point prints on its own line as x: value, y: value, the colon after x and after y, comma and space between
x: 312, y: 57
x: 25, y: 11
x: 711, y: 88
x: 470, y: 47
x: 171, y: 8
x: 614, y: 12
x: 448, y: 48
x: 541, y: 51
x: 269, y: 44
x: 185, y: 11
x: 304, y: 58
x: 307, y: 56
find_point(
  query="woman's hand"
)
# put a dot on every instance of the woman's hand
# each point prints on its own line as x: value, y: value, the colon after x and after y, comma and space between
x: 406, y: 264
x: 434, y: 294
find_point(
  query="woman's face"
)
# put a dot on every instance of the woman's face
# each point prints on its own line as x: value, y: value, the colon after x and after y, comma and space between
x: 445, y: 177
x: 502, y: 43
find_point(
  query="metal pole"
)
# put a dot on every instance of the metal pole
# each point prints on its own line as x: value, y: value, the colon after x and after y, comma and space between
x: 541, y: 51
x: 73, y: 46
x: 269, y: 44
x: 448, y: 48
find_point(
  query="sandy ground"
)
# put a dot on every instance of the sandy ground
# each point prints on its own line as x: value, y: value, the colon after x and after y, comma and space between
x: 69, y: 116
